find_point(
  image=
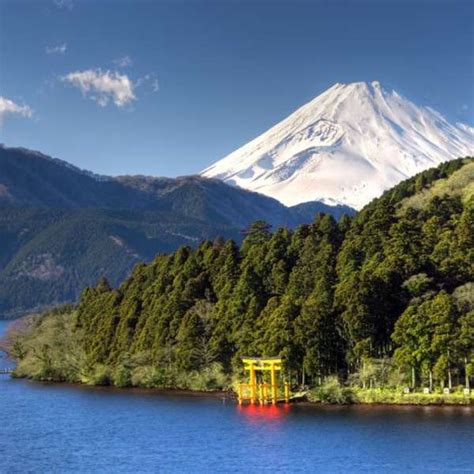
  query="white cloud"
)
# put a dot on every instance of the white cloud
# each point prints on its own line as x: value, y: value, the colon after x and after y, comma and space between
x: 148, y: 79
x: 64, y: 4
x: 103, y: 86
x: 59, y: 49
x: 125, y: 61
x: 8, y: 107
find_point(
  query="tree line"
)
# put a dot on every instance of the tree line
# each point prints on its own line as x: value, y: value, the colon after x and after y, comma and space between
x: 392, y: 286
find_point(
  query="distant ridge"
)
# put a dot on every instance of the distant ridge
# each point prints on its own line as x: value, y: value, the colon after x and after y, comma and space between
x: 61, y: 228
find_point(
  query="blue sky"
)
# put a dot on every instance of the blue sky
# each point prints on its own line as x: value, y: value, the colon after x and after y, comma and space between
x: 167, y: 88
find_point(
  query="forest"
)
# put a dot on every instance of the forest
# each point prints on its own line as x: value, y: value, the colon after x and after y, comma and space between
x: 384, y: 299
x: 61, y: 228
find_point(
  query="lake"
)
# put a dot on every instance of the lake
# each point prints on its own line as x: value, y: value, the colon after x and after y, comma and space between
x: 61, y: 428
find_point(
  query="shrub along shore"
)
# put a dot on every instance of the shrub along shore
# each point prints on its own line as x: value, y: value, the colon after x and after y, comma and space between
x: 31, y: 341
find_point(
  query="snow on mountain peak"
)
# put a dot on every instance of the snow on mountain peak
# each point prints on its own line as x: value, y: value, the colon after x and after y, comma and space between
x: 346, y: 146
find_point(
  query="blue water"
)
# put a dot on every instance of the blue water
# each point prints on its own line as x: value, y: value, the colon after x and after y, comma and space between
x: 60, y: 428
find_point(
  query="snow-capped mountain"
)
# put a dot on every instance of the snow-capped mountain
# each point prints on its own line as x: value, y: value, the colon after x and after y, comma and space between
x: 346, y: 146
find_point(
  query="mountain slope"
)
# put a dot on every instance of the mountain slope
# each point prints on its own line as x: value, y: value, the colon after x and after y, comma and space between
x: 346, y: 146
x: 31, y: 179
x: 49, y: 255
x: 62, y: 228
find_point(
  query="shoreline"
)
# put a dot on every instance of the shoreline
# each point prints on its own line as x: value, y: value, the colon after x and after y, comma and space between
x: 229, y: 395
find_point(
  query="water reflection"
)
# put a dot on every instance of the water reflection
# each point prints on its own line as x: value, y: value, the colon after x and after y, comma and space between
x: 259, y: 413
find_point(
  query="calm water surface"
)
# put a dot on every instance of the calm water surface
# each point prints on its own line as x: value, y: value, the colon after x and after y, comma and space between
x: 60, y: 428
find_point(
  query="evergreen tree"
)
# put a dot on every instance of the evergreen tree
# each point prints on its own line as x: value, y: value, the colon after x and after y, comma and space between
x: 396, y: 280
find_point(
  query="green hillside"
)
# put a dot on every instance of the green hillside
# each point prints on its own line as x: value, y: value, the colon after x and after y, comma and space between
x: 62, y: 228
x: 383, y: 300
x: 50, y: 256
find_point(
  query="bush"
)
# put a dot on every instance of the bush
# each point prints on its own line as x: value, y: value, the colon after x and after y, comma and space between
x: 149, y: 376
x: 331, y: 391
x: 122, y: 376
x: 101, y: 375
x: 208, y: 379
x: 46, y: 348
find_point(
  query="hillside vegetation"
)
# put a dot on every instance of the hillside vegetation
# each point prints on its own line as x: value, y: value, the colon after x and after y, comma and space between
x: 382, y: 300
x: 61, y: 227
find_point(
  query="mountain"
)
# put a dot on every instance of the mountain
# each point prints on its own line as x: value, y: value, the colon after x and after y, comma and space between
x: 29, y: 179
x: 62, y: 228
x: 346, y: 146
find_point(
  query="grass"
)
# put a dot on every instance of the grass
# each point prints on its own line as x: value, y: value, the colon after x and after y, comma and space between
x: 397, y: 397
x: 389, y: 396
